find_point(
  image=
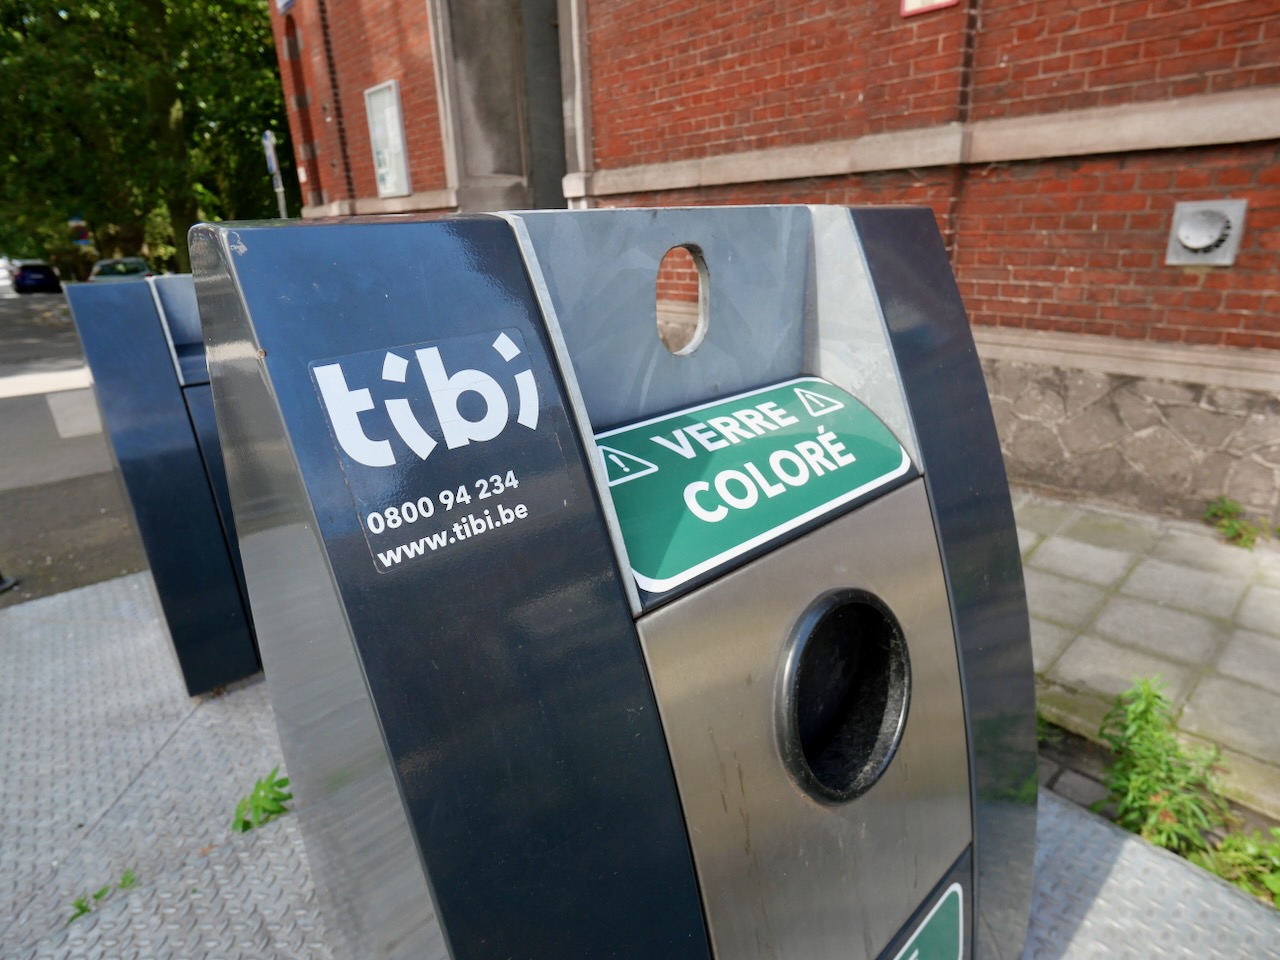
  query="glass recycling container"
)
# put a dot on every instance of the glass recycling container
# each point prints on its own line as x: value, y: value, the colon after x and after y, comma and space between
x: 581, y: 647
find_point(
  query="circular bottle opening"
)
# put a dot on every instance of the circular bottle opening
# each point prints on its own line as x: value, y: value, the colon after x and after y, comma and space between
x: 681, y: 292
x: 846, y: 691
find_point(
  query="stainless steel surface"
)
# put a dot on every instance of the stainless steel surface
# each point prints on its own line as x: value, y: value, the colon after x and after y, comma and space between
x: 788, y: 295
x: 168, y: 334
x: 601, y: 268
x: 370, y: 882
x: 578, y: 408
x: 850, y: 345
x: 782, y: 875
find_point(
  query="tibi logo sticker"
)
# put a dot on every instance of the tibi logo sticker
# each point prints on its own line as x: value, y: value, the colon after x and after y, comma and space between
x: 445, y: 445
x: 448, y: 392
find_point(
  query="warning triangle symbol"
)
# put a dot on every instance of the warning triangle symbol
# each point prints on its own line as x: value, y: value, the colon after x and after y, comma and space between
x: 816, y: 403
x: 621, y: 466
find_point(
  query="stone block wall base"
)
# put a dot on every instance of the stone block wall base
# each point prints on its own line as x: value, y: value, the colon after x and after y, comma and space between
x: 677, y: 323
x: 1158, y: 445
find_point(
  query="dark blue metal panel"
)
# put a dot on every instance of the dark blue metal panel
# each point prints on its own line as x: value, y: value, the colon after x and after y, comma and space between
x: 502, y: 663
x: 155, y: 447
x: 181, y: 315
x: 200, y: 409
x: 969, y: 493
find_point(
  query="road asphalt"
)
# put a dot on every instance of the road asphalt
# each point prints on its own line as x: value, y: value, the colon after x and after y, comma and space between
x: 64, y: 520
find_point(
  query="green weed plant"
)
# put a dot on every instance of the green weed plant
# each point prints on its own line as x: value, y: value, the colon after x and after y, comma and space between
x: 1250, y: 861
x: 1168, y: 795
x: 1047, y: 734
x: 264, y: 804
x: 82, y: 905
x: 1162, y: 792
x: 1227, y: 517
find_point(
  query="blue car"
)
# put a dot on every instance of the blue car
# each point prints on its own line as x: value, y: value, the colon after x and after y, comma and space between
x: 34, y: 276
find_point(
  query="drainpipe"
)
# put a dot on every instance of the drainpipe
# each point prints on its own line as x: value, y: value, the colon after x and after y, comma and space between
x: 336, y: 97
x: 964, y: 104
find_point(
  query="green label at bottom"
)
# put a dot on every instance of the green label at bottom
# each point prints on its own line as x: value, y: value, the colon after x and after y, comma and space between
x: 695, y: 488
x: 940, y: 935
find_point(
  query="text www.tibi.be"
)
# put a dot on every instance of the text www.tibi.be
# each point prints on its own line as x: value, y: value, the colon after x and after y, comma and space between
x: 472, y: 525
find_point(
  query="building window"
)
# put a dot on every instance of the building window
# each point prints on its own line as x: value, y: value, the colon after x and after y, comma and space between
x: 386, y: 135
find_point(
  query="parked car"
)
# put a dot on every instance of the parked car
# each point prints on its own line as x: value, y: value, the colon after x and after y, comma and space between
x: 120, y: 268
x: 32, y: 276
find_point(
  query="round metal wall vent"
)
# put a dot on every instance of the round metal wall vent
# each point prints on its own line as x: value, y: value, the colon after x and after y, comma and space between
x: 1206, y: 233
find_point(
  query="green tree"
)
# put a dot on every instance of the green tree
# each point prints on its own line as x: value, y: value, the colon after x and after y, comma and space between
x: 142, y: 116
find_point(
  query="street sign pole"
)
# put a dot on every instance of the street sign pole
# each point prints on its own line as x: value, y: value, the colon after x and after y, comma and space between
x: 273, y: 168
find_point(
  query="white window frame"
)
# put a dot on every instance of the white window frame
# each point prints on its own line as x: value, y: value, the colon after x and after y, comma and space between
x: 390, y: 165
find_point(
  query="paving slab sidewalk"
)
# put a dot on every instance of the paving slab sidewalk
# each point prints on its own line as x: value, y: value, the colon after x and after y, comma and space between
x: 1116, y: 595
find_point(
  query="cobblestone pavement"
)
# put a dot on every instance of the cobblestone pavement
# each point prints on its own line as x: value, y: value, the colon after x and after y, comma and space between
x: 109, y: 767
x: 1116, y: 595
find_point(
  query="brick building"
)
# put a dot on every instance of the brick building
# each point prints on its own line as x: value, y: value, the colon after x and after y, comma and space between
x: 1053, y: 140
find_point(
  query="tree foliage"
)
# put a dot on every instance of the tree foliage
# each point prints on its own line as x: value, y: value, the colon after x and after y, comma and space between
x: 141, y: 116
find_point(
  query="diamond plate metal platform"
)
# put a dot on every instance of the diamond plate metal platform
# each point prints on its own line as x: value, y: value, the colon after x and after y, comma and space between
x: 108, y: 765
x: 1102, y: 892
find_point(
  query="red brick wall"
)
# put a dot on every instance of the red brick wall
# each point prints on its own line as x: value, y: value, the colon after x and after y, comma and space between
x: 673, y: 79
x: 914, y: 68
x: 372, y: 41
x: 1041, y: 56
x: 931, y: 188
x: 678, y: 277
x: 1078, y: 246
